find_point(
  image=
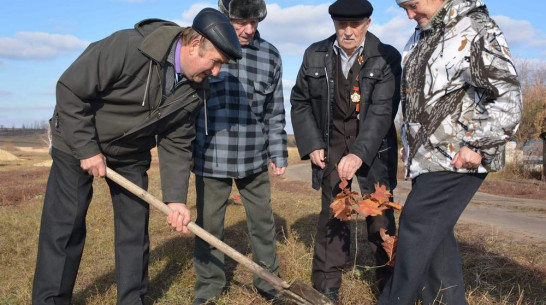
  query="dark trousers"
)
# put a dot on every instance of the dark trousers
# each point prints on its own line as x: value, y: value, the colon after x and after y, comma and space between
x: 212, y: 197
x: 428, y: 263
x: 333, y: 239
x: 62, y: 232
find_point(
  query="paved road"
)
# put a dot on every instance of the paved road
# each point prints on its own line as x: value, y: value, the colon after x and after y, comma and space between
x: 516, y: 215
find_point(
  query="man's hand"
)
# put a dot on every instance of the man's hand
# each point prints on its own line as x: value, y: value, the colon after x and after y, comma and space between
x: 277, y: 170
x: 179, y: 217
x: 348, y: 166
x: 467, y: 158
x: 317, y: 157
x: 95, y: 166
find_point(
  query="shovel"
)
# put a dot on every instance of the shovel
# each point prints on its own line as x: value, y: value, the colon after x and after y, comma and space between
x: 298, y: 292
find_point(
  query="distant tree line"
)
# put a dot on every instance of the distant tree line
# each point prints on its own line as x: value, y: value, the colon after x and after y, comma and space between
x: 35, y: 126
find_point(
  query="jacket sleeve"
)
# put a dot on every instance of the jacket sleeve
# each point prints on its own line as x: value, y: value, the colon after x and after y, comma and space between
x: 498, y: 105
x: 305, y: 125
x: 380, y: 114
x: 274, y: 121
x: 175, y: 158
x: 93, y: 72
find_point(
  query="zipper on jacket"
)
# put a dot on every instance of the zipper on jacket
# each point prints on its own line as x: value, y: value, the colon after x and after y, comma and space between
x: 147, y: 83
x: 327, y: 115
x: 205, y: 106
x: 169, y: 104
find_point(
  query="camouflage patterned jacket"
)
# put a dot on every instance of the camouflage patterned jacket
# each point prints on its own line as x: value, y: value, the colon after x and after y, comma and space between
x: 459, y: 87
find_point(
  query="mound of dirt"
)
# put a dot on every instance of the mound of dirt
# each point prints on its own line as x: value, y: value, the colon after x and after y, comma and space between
x: 7, y: 156
x: 46, y: 163
x: 33, y: 149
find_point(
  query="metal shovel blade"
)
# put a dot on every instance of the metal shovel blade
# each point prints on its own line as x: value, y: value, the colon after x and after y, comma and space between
x: 303, y: 294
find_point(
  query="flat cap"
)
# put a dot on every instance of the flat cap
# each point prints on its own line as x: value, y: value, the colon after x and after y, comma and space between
x: 217, y: 28
x: 350, y: 9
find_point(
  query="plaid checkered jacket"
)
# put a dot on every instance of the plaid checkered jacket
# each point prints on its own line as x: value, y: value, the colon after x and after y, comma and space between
x: 242, y: 124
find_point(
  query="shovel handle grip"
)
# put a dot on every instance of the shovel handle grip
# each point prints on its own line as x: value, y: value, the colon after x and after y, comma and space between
x: 271, y: 278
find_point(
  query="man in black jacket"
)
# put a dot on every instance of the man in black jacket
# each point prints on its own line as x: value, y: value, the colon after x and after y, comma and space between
x: 343, y: 106
x: 125, y: 94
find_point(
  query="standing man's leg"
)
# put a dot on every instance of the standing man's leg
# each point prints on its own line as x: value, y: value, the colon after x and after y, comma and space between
x: 256, y: 196
x: 444, y: 282
x: 382, y: 171
x: 332, y: 242
x: 374, y: 225
x: 431, y: 211
x: 62, y: 232
x: 212, y: 196
x: 131, y: 215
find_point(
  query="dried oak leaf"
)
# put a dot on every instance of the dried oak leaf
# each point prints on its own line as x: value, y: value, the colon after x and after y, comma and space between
x: 341, y: 208
x: 369, y: 207
x: 394, y: 205
x: 381, y: 193
x: 389, y: 245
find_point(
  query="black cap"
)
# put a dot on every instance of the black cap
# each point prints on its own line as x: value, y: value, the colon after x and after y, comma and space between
x: 217, y: 28
x: 350, y: 9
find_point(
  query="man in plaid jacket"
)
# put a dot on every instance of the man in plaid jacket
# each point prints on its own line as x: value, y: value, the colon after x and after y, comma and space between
x: 240, y: 132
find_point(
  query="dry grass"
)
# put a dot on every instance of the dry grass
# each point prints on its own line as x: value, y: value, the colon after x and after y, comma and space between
x: 499, y: 269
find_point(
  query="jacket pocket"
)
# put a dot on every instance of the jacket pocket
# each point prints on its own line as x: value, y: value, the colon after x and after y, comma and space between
x: 369, y: 77
x: 257, y: 98
x: 218, y: 84
x: 317, y: 82
x: 315, y: 72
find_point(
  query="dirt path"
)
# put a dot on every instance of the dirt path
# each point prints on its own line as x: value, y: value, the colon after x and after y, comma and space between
x: 508, y: 215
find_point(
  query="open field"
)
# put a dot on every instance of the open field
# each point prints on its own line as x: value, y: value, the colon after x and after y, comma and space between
x: 500, y: 268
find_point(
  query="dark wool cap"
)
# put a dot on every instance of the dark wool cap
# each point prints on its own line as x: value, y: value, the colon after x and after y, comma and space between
x: 217, y: 28
x: 350, y: 9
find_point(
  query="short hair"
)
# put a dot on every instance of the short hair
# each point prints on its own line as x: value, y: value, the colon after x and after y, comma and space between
x: 188, y: 34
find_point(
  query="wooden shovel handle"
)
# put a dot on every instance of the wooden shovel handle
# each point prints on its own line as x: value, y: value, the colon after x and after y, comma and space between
x: 271, y: 278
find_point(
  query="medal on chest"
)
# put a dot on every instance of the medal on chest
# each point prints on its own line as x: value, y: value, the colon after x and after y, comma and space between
x: 355, y: 98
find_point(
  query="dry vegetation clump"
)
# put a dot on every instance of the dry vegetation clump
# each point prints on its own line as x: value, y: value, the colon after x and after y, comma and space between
x: 520, y: 188
x: 20, y: 186
x: 533, y: 81
x: 501, y: 268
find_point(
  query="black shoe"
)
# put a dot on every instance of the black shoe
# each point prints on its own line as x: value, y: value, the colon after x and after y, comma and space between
x: 201, y: 301
x: 331, y: 293
x: 269, y: 295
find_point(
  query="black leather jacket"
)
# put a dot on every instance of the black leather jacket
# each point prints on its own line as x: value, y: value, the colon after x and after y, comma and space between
x: 312, y: 102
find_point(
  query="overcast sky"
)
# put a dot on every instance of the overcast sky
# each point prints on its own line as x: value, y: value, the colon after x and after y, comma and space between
x: 39, y: 39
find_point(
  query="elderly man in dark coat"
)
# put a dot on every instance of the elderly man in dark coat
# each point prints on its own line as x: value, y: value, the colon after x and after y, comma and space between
x: 343, y: 106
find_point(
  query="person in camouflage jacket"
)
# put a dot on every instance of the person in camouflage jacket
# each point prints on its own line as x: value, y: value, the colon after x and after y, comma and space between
x: 465, y: 93
x: 461, y: 102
